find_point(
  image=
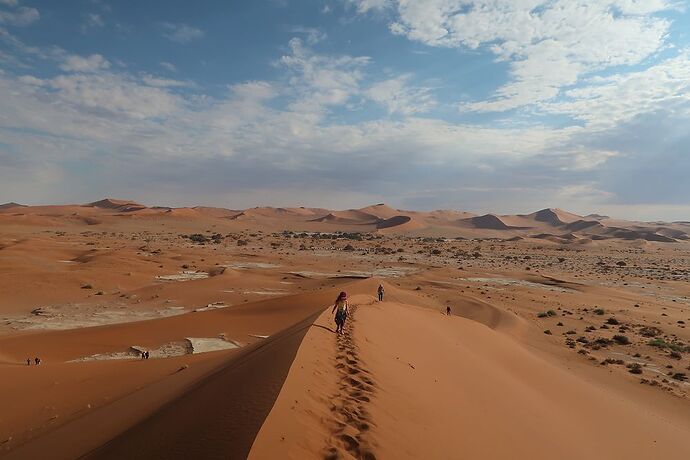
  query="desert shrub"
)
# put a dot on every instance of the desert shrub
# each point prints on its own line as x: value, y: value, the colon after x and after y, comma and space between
x: 551, y: 313
x: 612, y: 321
x: 679, y: 376
x: 542, y: 314
x: 634, y: 368
x: 599, y: 311
x: 548, y: 332
x: 621, y: 339
x: 674, y: 346
x: 198, y: 238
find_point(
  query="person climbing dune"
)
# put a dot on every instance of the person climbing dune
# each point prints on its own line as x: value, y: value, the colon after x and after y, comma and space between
x: 380, y: 291
x: 340, y: 309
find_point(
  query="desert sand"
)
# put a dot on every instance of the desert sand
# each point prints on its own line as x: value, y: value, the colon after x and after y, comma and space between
x: 567, y: 335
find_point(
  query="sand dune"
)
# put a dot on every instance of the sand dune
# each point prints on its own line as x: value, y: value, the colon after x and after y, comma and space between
x: 382, y: 217
x: 555, y: 217
x: 551, y: 314
x: 507, y: 402
x: 11, y: 205
x: 487, y: 221
x: 117, y: 205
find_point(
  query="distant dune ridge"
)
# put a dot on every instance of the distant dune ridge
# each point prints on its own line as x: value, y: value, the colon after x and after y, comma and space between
x: 11, y: 205
x: 550, y: 224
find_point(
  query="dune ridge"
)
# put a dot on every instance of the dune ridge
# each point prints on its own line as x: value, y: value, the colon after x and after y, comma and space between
x: 379, y: 217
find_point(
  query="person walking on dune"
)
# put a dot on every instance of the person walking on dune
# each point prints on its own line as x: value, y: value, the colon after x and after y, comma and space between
x: 380, y: 291
x: 448, y: 310
x: 340, y: 309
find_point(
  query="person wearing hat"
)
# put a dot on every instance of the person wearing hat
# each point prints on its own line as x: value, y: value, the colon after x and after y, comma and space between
x: 340, y: 310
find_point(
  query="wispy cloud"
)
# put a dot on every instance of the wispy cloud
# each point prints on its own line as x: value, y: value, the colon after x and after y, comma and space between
x: 168, y: 66
x: 399, y: 97
x: 92, y: 21
x: 181, y: 33
x: 22, y: 16
x: 91, y: 63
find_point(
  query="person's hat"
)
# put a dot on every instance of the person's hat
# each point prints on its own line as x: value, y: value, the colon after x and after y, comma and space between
x: 343, y: 295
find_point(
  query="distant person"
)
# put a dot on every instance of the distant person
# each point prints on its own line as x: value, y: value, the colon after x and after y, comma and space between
x: 448, y: 310
x: 37, y: 361
x: 143, y: 355
x: 380, y: 291
x: 28, y: 361
x: 147, y: 355
x: 340, y: 309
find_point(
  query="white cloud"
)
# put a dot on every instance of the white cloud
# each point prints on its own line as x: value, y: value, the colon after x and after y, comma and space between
x: 168, y: 66
x: 9, y: 2
x: 549, y: 44
x: 607, y: 101
x: 397, y: 96
x: 312, y: 34
x: 181, y: 33
x: 364, y: 6
x: 321, y: 81
x: 22, y: 16
x: 93, y: 63
x: 152, y: 80
x: 83, y: 93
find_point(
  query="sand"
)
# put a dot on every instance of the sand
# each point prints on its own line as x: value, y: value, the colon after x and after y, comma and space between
x: 550, y: 314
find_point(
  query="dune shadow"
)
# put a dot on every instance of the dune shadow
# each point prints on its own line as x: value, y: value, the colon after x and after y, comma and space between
x: 324, y: 327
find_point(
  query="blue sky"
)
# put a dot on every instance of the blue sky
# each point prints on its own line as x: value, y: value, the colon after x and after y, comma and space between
x: 481, y: 105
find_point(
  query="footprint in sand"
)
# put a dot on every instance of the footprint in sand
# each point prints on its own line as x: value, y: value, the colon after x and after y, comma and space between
x: 351, y: 422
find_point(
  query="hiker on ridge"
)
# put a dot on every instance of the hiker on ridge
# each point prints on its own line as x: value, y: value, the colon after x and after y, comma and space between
x: 380, y: 291
x: 341, y: 313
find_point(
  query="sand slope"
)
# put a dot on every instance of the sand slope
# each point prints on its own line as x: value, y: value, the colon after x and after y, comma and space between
x: 378, y: 393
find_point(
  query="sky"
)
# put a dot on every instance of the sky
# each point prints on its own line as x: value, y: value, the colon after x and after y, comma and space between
x: 502, y: 106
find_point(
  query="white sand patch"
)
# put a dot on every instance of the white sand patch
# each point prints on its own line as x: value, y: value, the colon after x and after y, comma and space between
x: 213, y: 306
x: 260, y: 291
x: 191, y: 345
x: 75, y: 316
x: 249, y: 265
x: 390, y: 272
x: 167, y: 350
x: 184, y: 276
x: 259, y: 336
x: 266, y: 292
x: 205, y: 345
x: 107, y: 357
x: 516, y: 282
